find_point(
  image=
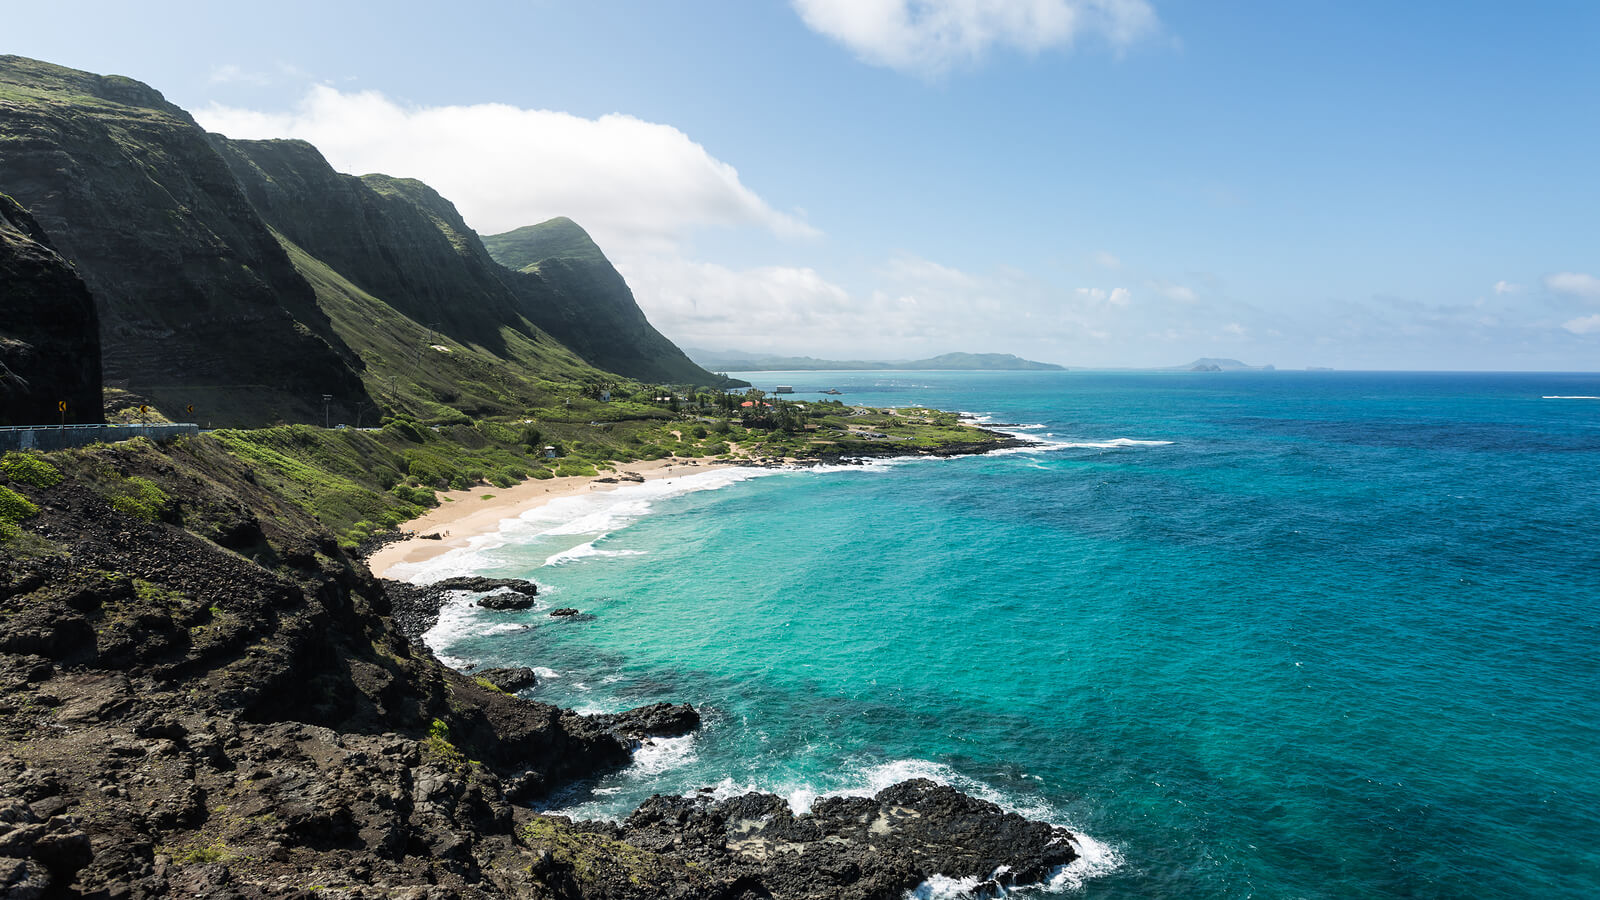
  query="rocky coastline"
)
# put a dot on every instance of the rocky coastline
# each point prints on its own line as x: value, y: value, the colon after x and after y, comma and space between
x: 202, y: 695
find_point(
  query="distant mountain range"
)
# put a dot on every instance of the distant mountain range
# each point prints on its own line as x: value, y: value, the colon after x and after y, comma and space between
x: 735, y: 361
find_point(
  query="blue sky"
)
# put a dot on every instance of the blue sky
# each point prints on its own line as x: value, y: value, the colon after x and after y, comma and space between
x: 1088, y: 182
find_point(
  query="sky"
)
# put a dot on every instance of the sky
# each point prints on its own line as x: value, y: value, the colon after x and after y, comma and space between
x: 1096, y: 183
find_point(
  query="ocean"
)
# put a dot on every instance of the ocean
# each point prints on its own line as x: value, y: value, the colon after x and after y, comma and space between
x: 1253, y: 634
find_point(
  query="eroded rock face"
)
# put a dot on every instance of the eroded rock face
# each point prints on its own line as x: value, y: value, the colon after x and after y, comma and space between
x: 198, y: 304
x: 49, y: 330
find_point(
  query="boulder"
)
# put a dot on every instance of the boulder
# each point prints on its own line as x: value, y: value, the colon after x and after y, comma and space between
x: 509, y: 679
x: 655, y: 720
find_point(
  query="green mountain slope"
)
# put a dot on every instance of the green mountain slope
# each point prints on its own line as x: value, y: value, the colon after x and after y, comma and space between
x: 198, y: 304
x: 250, y: 280
x: 571, y: 290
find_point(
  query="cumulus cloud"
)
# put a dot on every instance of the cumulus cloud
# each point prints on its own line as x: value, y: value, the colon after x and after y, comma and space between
x: 931, y: 36
x: 1508, y: 287
x: 635, y: 185
x: 1585, y: 325
x: 1574, y: 284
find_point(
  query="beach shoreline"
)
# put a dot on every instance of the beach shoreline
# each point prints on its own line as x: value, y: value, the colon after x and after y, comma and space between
x: 464, y: 515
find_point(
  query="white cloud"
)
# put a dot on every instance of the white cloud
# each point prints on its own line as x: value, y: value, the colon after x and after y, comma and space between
x: 1507, y: 287
x: 637, y: 186
x: 1575, y: 284
x: 230, y: 74
x: 1175, y: 292
x: 1107, y: 260
x: 1585, y: 325
x: 931, y: 36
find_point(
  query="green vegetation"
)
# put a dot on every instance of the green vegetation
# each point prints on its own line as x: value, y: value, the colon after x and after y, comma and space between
x: 486, y: 684
x: 30, y: 468
x: 595, y: 859
x: 437, y: 747
x: 362, y: 482
x: 13, y: 509
x: 140, y: 499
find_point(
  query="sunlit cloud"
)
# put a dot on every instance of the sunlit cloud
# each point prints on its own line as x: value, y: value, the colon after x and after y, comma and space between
x: 1574, y: 284
x: 635, y: 185
x: 929, y: 37
x: 1585, y: 325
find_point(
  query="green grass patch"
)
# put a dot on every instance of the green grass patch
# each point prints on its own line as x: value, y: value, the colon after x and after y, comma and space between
x: 13, y: 509
x: 30, y: 468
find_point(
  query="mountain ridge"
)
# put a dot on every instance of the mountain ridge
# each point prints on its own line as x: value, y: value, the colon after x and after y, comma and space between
x: 249, y: 281
x: 574, y: 292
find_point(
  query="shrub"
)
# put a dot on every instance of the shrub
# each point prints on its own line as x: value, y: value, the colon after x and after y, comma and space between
x: 13, y: 509
x: 29, y: 468
x: 140, y: 499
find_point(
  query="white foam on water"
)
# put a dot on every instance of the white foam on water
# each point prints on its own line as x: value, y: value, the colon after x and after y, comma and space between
x: 941, y: 887
x: 659, y: 755
x: 593, y: 515
x: 1095, y: 859
x: 1039, y: 445
x: 459, y: 618
x: 1569, y: 397
x: 587, y: 550
x: 543, y: 672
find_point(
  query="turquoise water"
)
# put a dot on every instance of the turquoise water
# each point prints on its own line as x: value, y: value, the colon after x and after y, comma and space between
x: 1254, y: 634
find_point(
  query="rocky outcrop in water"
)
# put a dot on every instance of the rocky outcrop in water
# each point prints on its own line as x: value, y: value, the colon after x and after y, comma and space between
x: 49, y: 331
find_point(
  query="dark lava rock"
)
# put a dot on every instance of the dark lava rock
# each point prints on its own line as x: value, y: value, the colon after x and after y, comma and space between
x: 479, y: 583
x: 563, y: 612
x: 509, y: 680
x: 655, y: 720
x: 851, y: 847
x: 507, y: 600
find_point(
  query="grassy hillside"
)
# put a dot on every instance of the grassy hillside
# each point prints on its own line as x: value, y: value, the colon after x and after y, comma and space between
x: 571, y: 290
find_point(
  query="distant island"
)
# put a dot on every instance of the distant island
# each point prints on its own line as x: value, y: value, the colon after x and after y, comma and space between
x: 1213, y: 364
x: 735, y: 361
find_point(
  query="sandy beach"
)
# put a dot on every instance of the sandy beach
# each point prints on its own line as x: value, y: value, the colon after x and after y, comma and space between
x: 463, y: 515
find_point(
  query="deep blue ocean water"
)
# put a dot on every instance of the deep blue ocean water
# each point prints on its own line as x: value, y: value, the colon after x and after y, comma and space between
x: 1253, y: 634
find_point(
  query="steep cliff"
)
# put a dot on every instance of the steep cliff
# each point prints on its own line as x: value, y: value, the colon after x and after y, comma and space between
x: 571, y: 290
x: 49, y: 335
x: 198, y: 303
x: 405, y: 283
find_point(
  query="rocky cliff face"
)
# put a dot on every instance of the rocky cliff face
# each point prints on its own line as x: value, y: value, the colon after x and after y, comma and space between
x: 571, y: 290
x: 396, y: 239
x: 49, y: 333
x: 198, y: 303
